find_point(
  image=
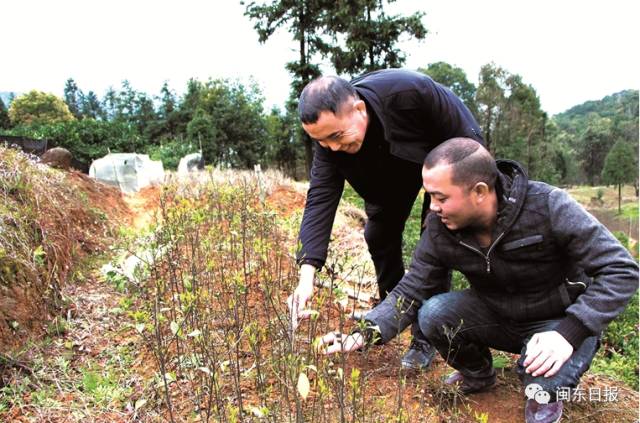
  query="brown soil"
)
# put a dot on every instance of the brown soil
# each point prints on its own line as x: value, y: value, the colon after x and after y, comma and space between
x: 143, y: 206
x: 73, y: 222
x: 285, y: 200
x: 105, y: 197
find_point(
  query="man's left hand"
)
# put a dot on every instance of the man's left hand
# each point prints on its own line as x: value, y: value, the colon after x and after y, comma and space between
x: 335, y: 342
x: 546, y: 353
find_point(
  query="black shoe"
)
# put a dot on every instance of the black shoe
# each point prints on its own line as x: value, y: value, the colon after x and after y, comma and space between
x: 468, y: 385
x: 419, y: 356
x: 535, y: 412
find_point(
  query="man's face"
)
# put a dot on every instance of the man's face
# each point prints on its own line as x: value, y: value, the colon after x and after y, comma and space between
x: 342, y: 132
x: 453, y: 204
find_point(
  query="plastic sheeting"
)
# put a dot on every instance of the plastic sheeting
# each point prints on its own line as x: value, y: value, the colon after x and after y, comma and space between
x: 129, y: 171
x: 190, y: 163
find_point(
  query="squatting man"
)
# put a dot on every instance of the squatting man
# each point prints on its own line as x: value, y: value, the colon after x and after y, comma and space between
x: 546, y: 278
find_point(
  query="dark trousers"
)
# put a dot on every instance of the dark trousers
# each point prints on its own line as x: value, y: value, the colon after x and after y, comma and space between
x: 462, y: 328
x: 383, y: 234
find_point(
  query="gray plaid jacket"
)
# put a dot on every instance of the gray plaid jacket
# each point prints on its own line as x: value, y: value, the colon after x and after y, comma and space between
x: 550, y: 259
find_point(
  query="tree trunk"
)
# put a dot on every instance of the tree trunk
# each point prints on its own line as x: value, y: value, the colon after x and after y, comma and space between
x: 306, y: 141
x: 619, y: 198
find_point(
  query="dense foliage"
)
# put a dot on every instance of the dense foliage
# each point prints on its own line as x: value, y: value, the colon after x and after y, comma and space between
x: 591, y: 129
x: 569, y: 148
x: 227, y: 121
x: 37, y: 107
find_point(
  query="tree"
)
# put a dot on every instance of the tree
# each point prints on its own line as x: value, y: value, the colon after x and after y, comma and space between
x: 73, y: 97
x: 228, y: 121
x: 620, y: 167
x: 490, y: 99
x: 91, y: 106
x: 37, y: 107
x: 167, y: 101
x: 306, y: 19
x: 5, y: 123
x: 456, y: 80
x: 166, y: 119
x: 524, y: 124
x: 110, y: 104
x: 514, y: 124
x: 369, y: 35
x: 593, y: 144
x: 280, y: 141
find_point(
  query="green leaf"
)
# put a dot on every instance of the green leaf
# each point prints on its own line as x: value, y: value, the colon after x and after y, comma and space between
x: 174, y: 328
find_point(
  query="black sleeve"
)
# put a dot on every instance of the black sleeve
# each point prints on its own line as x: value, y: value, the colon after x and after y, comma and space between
x: 446, y: 112
x: 325, y: 191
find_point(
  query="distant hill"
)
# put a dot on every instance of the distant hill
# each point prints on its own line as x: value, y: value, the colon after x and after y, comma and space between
x: 619, y: 107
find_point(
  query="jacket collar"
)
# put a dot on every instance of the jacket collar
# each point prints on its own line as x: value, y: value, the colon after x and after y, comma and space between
x: 511, y: 189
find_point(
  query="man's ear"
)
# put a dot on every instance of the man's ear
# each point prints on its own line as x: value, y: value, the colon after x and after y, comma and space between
x: 481, y: 190
x: 360, y: 106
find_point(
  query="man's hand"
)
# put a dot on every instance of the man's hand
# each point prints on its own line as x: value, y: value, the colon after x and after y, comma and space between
x: 546, y: 353
x: 298, y: 300
x: 334, y: 342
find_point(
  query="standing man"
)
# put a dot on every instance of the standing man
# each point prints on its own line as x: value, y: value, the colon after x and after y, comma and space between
x: 373, y: 132
x: 546, y: 278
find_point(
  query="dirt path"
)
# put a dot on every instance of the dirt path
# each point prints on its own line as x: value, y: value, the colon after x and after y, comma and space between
x: 92, y: 365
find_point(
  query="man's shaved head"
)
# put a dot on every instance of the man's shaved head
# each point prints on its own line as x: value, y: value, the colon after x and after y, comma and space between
x: 324, y: 94
x: 470, y: 162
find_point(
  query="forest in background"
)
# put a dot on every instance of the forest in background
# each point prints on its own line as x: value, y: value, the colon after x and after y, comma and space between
x: 227, y: 119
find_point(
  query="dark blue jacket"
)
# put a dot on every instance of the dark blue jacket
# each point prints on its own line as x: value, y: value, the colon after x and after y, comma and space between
x: 416, y: 114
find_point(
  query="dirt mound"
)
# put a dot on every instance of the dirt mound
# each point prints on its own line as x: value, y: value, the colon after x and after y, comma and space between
x: 105, y: 197
x: 286, y: 200
x: 57, y: 157
x: 50, y: 220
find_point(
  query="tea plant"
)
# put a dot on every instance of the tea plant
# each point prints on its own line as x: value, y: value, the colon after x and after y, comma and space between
x: 214, y: 315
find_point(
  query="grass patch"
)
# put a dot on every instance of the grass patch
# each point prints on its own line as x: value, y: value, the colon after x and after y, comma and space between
x: 618, y: 354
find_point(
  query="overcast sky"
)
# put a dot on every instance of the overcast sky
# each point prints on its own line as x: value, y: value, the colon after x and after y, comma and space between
x: 570, y: 51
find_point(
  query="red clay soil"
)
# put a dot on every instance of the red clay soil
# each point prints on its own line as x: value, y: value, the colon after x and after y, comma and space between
x: 72, y: 230
x: 143, y: 206
x: 105, y: 197
x: 285, y: 200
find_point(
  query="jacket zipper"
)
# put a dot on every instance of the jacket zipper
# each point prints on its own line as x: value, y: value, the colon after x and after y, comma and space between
x: 486, y: 257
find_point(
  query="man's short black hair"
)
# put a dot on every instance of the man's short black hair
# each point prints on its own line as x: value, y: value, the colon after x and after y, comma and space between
x: 326, y: 93
x: 470, y: 162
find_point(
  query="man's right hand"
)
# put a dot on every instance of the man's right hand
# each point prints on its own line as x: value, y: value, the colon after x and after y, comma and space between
x: 298, y: 300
